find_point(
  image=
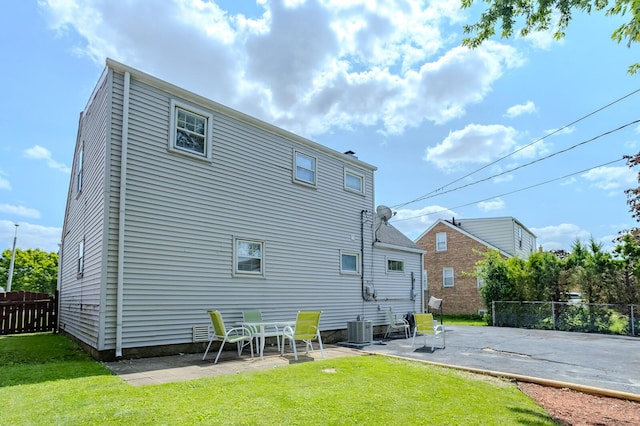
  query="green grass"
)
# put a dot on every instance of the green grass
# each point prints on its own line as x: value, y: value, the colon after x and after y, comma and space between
x: 45, y: 379
x: 475, y: 320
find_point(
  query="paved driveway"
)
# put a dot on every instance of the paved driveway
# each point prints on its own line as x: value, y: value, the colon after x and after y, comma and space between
x: 593, y: 360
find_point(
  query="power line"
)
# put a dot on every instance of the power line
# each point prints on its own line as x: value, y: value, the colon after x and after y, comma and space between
x: 520, y: 149
x: 424, y: 197
x: 510, y: 192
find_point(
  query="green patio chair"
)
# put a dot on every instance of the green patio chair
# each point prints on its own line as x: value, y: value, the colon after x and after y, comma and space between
x: 255, y: 316
x: 306, y: 329
x: 396, y: 324
x: 238, y: 335
x: 427, y: 326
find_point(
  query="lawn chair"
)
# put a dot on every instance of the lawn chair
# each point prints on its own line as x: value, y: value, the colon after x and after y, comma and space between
x: 254, y: 315
x: 237, y: 335
x: 427, y: 326
x: 396, y: 324
x: 306, y: 329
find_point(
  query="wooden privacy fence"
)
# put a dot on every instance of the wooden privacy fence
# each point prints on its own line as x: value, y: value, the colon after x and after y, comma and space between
x: 26, y: 312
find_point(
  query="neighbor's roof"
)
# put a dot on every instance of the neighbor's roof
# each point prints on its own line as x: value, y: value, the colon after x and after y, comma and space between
x: 387, y: 236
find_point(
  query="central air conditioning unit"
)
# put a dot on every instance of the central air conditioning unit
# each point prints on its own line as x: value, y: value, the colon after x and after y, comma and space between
x: 359, y: 331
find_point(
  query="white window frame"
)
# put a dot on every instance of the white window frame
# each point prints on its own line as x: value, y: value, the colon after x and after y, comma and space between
x: 313, y: 170
x: 448, y: 273
x: 479, y: 280
x: 79, y: 166
x: 173, y: 128
x: 441, y: 239
x: 236, y: 257
x: 395, y: 271
x: 80, y: 261
x: 356, y: 256
x: 360, y: 177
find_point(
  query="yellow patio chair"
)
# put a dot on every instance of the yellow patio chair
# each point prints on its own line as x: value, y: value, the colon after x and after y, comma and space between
x: 306, y: 329
x: 254, y: 315
x: 396, y: 324
x: 237, y: 335
x: 427, y: 326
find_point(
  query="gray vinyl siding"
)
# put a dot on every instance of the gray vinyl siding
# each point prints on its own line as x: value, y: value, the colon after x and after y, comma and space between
x: 502, y: 233
x: 80, y: 296
x: 182, y: 215
x: 393, y: 289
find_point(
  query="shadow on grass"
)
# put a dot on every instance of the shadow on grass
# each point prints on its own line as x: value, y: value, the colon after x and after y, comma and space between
x: 40, y: 357
x: 532, y: 417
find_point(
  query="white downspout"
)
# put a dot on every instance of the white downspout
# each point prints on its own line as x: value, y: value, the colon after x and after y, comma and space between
x: 121, y: 213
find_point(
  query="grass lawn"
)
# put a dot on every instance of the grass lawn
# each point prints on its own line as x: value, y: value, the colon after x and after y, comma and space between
x: 46, y: 379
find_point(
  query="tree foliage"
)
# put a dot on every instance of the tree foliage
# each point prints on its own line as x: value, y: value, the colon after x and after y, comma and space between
x: 538, y: 15
x: 602, y: 277
x: 33, y: 270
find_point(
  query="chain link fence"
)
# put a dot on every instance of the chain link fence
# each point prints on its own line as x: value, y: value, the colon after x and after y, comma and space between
x: 566, y: 316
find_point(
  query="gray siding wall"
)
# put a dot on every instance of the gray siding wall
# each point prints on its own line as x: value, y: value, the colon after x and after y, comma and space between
x: 394, y: 289
x: 182, y: 215
x: 80, y: 295
x: 502, y: 233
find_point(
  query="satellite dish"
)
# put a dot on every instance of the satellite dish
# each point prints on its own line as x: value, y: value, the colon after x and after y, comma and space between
x: 384, y: 213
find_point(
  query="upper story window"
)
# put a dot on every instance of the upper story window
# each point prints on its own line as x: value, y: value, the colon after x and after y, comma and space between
x: 441, y: 241
x: 80, y: 262
x: 395, y: 265
x: 248, y: 257
x: 519, y: 237
x: 353, y: 181
x: 190, y: 130
x: 447, y: 277
x: 79, y: 163
x: 305, y: 168
x: 349, y: 262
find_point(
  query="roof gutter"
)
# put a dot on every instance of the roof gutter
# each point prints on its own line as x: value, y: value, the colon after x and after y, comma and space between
x: 121, y: 213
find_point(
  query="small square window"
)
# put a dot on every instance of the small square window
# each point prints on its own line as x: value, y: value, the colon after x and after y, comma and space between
x: 305, y: 168
x: 349, y: 262
x: 353, y: 182
x: 249, y: 257
x: 447, y: 277
x: 441, y: 241
x: 395, y: 265
x: 190, y: 129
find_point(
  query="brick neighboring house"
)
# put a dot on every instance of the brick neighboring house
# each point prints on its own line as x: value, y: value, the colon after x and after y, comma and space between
x: 451, y: 252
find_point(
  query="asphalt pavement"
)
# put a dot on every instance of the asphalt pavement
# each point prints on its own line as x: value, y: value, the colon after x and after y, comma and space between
x: 592, y: 360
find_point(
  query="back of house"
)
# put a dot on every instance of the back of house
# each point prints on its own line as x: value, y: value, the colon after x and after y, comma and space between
x: 178, y: 204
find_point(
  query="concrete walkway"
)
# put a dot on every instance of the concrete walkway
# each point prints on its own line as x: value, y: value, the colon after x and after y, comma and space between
x: 602, y: 362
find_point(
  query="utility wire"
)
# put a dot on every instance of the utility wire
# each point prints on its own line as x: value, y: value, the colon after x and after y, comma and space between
x: 511, y: 192
x: 424, y: 197
x: 520, y: 149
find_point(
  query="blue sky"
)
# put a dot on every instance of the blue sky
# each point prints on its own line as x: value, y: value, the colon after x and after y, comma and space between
x: 453, y: 132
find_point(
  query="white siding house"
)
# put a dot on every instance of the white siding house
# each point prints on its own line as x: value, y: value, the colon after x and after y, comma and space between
x: 178, y: 204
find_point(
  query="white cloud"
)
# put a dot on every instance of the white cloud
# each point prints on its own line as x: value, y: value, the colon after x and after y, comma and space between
x: 306, y: 66
x: 612, y: 179
x: 475, y: 144
x: 39, y: 153
x: 560, y: 237
x: 491, y: 205
x: 414, y: 222
x: 516, y: 110
x: 20, y: 211
x: 4, y: 183
x: 30, y: 236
